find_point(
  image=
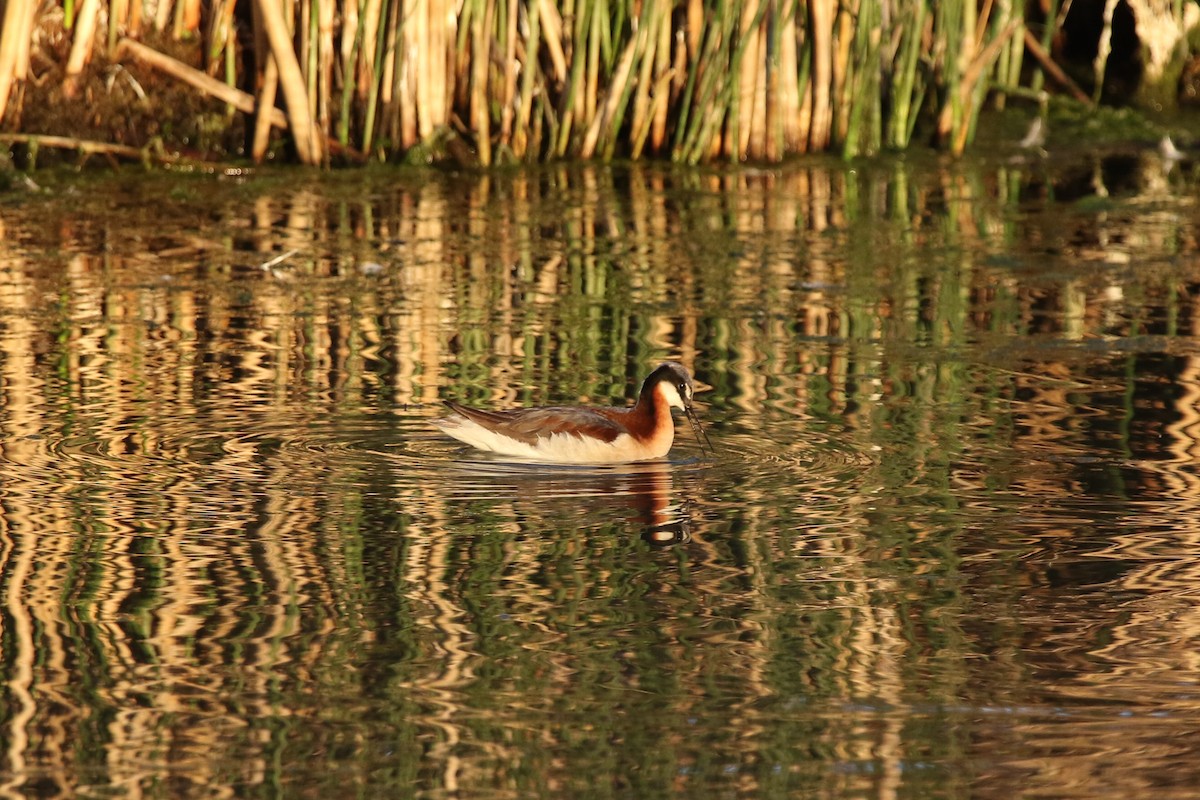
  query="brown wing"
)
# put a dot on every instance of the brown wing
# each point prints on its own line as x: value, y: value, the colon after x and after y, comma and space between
x: 530, y: 424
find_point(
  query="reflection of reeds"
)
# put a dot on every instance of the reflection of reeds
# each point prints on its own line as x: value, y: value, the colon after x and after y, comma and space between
x: 177, y: 519
x: 535, y: 79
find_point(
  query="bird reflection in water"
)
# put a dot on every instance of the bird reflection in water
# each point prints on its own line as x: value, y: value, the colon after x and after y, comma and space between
x: 643, y: 494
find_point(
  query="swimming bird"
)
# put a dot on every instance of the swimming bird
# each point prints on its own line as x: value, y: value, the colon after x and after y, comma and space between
x: 583, y: 435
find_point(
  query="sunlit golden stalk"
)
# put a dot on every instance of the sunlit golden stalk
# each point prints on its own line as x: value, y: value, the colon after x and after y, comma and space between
x: 349, y: 34
x: 118, y: 13
x: 755, y: 144
x: 368, y: 46
x: 81, y: 45
x: 308, y: 144
x: 406, y: 77
x: 434, y: 96
x: 133, y: 25
x: 14, y: 38
x: 844, y: 27
x: 327, y: 10
x: 387, y: 81
x: 163, y: 14
x: 742, y: 113
x: 792, y: 85
x: 265, y: 103
x: 187, y: 18
x: 695, y: 28
x: 551, y: 23
x: 306, y: 50
x: 821, y: 17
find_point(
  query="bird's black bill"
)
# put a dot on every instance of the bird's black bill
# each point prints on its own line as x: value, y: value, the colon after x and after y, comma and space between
x: 701, y: 436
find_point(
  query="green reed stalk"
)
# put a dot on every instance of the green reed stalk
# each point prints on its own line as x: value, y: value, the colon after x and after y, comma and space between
x: 480, y: 63
x: 508, y: 25
x: 907, y: 88
x: 712, y: 94
x: 1009, y: 73
x: 865, y: 104
x: 952, y: 31
x: 530, y: 79
x: 574, y: 90
x: 371, y: 118
x: 350, y: 58
x: 1039, y: 77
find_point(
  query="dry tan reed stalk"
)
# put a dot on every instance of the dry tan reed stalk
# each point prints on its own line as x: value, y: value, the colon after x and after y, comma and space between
x: 551, y: 22
x: 347, y: 51
x: 163, y: 14
x: 639, y: 121
x: 304, y: 133
x: 821, y: 19
x: 220, y: 36
x: 406, y: 78
x: 1053, y: 70
x: 742, y: 116
x: 434, y: 109
x: 591, y: 83
x: 118, y: 18
x: 391, y: 60
x: 791, y: 136
x: 530, y: 80
x: 480, y: 50
x: 664, y: 73
x: 88, y: 147
x: 510, y: 69
x: 211, y: 86
x: 266, y: 110
x: 133, y: 23
x: 326, y: 20
x: 14, y: 35
x: 978, y: 67
x: 81, y: 45
x: 365, y: 69
x: 612, y: 99
x: 843, y: 27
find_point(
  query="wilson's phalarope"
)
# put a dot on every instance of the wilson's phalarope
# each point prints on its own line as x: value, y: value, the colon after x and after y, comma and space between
x: 578, y: 435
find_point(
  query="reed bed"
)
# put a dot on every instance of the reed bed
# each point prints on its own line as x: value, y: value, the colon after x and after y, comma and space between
x: 528, y: 80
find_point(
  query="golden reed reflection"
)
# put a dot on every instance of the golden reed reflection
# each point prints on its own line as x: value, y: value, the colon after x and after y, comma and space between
x: 189, y: 434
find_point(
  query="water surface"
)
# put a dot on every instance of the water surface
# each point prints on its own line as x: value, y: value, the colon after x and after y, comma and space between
x: 947, y: 546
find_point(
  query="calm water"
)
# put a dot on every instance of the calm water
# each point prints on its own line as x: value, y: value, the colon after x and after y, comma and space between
x: 949, y: 545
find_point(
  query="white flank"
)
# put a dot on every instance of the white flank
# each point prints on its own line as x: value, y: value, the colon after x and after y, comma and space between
x: 559, y: 448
